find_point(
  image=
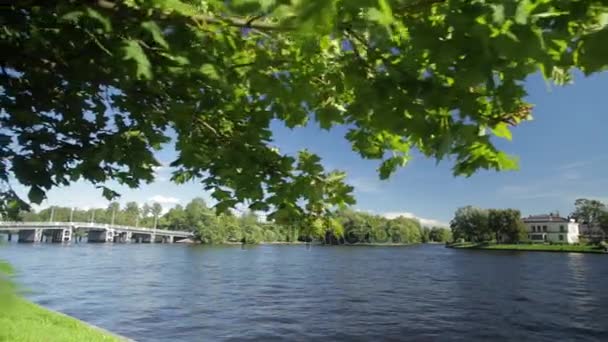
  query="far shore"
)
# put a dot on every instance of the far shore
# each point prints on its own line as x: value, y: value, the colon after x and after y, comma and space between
x: 315, y: 243
x: 530, y: 247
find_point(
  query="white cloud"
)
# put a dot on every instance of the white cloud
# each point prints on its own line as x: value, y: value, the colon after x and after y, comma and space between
x: 424, y: 221
x: 366, y: 185
x: 164, y: 200
x: 583, y: 163
x: 161, y: 173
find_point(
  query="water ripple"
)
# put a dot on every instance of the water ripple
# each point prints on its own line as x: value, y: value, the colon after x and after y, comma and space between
x: 294, y: 293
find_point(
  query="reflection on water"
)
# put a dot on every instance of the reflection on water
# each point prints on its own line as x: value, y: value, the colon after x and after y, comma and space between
x: 194, y: 293
x: 580, y: 294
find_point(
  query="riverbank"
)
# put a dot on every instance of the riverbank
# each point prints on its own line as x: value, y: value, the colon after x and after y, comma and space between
x: 529, y: 247
x: 24, y: 321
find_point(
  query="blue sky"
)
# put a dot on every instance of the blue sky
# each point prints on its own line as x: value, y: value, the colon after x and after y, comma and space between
x: 563, y: 156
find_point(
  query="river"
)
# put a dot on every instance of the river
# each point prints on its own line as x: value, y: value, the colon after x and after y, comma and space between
x: 300, y: 293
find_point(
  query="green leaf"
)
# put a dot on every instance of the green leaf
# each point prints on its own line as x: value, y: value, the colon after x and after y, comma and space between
x: 36, y: 194
x: 154, y: 30
x: 502, y: 131
x: 73, y: 16
x: 133, y: 51
x: 103, y: 20
x: 593, y: 51
x: 507, y: 162
x: 210, y: 71
x: 389, y: 166
x: 499, y: 14
x: 249, y: 6
x: 325, y: 43
x: 524, y: 8
x: 223, y: 206
x: 259, y: 206
x: 383, y: 15
x: 108, y: 193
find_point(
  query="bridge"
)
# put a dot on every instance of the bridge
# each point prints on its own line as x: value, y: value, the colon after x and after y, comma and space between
x: 94, y: 232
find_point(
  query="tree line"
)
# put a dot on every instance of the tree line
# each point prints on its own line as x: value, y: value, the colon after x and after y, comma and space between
x: 481, y: 225
x: 344, y: 226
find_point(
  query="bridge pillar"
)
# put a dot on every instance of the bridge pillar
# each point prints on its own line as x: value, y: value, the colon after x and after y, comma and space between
x: 170, y: 239
x: 64, y: 235
x: 30, y: 235
x: 102, y: 235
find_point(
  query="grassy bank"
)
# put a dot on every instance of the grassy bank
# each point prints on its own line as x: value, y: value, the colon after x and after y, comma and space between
x: 21, y: 320
x: 529, y: 247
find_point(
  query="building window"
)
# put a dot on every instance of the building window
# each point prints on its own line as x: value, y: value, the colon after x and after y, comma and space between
x: 537, y: 237
x: 561, y: 237
x: 544, y: 228
x: 562, y: 229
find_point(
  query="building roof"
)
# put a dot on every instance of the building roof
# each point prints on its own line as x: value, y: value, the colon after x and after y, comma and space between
x: 545, y: 218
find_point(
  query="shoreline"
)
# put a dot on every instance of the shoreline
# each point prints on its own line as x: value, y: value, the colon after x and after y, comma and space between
x: 317, y: 243
x: 529, y: 248
x: 24, y: 320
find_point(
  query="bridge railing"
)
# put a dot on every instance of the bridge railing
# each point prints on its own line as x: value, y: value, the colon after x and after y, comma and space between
x: 93, y: 225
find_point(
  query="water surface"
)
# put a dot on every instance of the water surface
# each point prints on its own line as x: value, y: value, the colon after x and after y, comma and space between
x: 299, y: 293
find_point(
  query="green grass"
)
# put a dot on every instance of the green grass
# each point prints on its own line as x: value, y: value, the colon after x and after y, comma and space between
x: 21, y: 320
x: 529, y: 247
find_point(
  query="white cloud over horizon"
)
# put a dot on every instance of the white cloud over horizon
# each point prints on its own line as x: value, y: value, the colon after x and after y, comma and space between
x: 429, y: 222
x: 164, y: 200
x: 423, y: 221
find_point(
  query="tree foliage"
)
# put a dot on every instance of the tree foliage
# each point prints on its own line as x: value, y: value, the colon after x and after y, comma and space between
x: 591, y: 212
x: 471, y: 224
x: 89, y: 90
x: 483, y: 225
x: 507, y: 225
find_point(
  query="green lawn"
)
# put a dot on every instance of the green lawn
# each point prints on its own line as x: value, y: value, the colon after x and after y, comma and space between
x: 530, y: 247
x: 21, y: 320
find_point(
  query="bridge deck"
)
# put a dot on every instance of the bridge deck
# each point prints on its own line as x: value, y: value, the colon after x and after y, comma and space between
x: 91, y: 226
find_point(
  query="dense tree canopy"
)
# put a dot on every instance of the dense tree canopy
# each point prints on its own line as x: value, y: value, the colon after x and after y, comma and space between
x: 507, y: 225
x: 591, y: 212
x: 90, y: 89
x: 471, y: 224
x: 483, y: 225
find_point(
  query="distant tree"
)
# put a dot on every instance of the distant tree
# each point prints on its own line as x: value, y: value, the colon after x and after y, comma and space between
x: 603, y: 223
x: 157, y: 209
x: 471, y: 224
x: 588, y: 211
x: 507, y: 225
x: 113, y: 212
x: 425, y: 234
x: 440, y: 234
x: 132, y: 213
x: 175, y: 219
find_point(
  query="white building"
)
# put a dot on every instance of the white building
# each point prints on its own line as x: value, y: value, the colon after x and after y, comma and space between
x: 551, y: 228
